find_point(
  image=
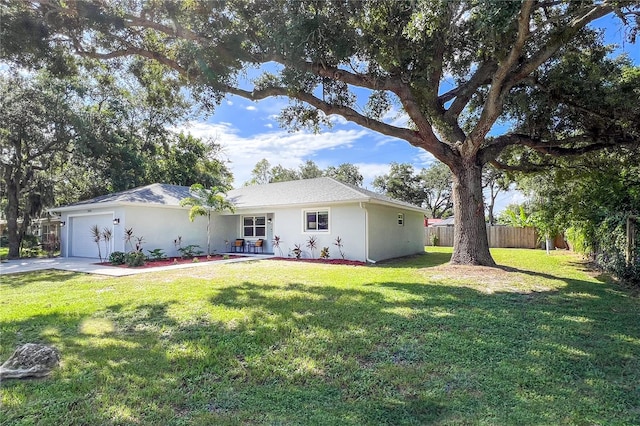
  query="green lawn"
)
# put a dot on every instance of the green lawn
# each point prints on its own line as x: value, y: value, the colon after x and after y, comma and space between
x: 276, y: 342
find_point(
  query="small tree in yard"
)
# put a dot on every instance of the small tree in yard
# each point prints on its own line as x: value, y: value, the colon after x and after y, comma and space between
x: 339, y: 244
x: 107, y: 234
x: 96, y: 235
x: 203, y: 203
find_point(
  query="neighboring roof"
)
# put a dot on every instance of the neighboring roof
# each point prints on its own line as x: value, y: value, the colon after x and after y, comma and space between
x: 157, y: 194
x: 444, y: 222
x: 318, y: 191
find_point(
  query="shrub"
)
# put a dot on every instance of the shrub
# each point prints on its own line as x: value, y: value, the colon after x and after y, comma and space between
x: 157, y: 254
x: 117, y: 258
x: 605, y: 242
x: 297, y: 251
x: 324, y: 253
x: 312, y: 243
x: 30, y: 246
x: 190, y: 251
x: 577, y: 240
x: 135, y: 258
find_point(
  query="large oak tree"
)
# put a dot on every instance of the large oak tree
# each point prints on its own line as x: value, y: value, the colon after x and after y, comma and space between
x: 454, y: 67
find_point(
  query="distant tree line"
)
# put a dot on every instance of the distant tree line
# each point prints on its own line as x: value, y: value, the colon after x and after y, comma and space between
x: 264, y: 172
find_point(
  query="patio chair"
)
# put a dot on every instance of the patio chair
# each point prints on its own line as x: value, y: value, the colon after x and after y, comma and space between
x: 259, y: 245
x: 238, y: 246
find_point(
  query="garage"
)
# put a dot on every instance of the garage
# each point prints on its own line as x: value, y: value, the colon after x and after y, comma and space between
x: 82, y: 243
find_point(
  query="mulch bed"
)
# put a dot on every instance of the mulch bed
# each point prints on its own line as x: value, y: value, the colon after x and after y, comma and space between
x: 173, y: 261
x: 325, y: 261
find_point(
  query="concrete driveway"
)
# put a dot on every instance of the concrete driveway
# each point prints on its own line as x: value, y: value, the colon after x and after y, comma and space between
x: 75, y: 264
x: 90, y: 266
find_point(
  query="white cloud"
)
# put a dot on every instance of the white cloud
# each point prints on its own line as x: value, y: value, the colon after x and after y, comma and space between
x: 251, y: 108
x: 396, y: 117
x: 269, y: 125
x: 512, y: 196
x: 370, y: 170
x: 425, y: 159
x: 278, y: 147
x: 229, y: 103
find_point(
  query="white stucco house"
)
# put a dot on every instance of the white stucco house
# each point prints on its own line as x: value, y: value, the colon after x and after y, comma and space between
x: 372, y: 227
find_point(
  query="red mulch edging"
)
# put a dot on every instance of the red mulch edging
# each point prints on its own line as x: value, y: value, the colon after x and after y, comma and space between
x: 325, y: 261
x: 180, y: 261
x: 172, y: 261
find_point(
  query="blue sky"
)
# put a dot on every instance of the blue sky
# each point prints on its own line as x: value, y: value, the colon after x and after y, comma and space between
x: 249, y: 132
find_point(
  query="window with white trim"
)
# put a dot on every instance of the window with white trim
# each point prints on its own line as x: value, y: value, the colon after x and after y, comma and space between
x: 316, y: 220
x: 254, y: 226
x: 400, y: 219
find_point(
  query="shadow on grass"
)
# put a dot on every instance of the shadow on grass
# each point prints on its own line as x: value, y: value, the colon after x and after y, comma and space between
x: 383, y: 353
x: 50, y: 275
x: 416, y: 261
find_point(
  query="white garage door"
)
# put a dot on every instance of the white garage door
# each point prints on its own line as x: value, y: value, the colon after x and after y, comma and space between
x: 81, y: 238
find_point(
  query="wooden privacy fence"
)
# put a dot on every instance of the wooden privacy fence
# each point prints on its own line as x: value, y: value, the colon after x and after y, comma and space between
x: 499, y: 236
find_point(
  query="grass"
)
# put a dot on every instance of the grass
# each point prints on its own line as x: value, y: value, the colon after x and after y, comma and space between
x: 272, y: 342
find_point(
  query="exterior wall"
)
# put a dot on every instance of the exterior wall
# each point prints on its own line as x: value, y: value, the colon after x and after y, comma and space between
x: 387, y: 239
x: 224, y: 229
x: 161, y: 226
x: 158, y: 226
x: 345, y: 221
x: 228, y: 227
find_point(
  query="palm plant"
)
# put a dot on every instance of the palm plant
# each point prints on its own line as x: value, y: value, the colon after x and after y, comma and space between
x: 339, y: 244
x: 312, y: 243
x: 203, y: 203
x: 128, y: 236
x: 107, y: 234
x: 97, y: 237
x: 276, y: 244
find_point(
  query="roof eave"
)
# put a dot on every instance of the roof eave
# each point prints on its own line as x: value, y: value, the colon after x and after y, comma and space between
x: 113, y: 204
x: 397, y: 205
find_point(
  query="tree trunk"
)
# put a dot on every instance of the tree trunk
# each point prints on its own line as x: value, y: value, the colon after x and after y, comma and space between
x: 492, y: 196
x: 209, y: 234
x: 12, y: 220
x: 470, y: 242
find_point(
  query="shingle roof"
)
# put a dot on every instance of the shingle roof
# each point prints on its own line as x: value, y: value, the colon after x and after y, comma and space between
x: 306, y: 191
x: 157, y: 193
x: 323, y: 190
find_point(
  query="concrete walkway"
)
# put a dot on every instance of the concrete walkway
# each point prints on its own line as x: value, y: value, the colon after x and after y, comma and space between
x: 90, y: 266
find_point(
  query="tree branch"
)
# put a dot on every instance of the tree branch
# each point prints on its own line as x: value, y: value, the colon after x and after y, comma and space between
x: 463, y: 93
x: 493, y: 104
x: 506, y: 77
x: 522, y: 168
x: 554, y: 148
x: 131, y: 51
x: 411, y: 106
x: 550, y: 49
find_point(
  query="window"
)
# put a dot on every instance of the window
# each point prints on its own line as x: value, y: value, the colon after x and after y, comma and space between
x: 400, y: 219
x: 254, y: 226
x: 316, y: 221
